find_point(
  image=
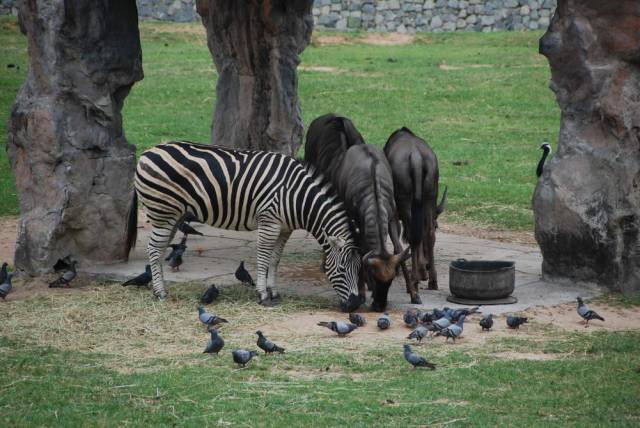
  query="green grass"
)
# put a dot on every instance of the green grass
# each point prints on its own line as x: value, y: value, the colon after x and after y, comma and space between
x: 480, y: 98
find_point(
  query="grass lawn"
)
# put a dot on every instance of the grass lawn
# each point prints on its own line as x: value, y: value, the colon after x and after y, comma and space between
x: 481, y: 100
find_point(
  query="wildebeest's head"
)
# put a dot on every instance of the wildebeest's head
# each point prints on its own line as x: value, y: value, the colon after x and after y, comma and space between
x: 380, y: 272
x: 342, y: 265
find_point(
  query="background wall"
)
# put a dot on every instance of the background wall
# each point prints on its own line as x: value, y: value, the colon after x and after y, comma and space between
x: 402, y: 16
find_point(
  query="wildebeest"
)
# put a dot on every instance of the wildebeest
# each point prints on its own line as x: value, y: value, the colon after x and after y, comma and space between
x: 414, y: 167
x: 362, y: 177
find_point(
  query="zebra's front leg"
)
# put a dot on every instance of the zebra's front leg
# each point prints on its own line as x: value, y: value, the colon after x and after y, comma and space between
x: 272, y: 291
x: 268, y: 234
x: 158, y: 242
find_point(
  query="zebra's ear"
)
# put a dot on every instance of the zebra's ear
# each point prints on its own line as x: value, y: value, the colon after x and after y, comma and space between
x: 336, y: 243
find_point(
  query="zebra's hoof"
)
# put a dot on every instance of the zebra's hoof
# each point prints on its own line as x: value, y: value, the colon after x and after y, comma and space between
x: 267, y: 303
x: 275, y: 300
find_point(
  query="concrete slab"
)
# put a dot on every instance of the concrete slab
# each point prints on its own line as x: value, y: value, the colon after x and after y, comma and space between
x: 214, y: 258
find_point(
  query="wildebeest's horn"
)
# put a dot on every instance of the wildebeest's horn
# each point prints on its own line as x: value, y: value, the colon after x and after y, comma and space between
x: 399, y: 258
x: 366, y: 259
x: 443, y: 202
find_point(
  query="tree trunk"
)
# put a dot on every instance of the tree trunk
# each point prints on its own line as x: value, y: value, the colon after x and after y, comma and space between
x: 255, y: 46
x: 72, y: 163
x: 587, y: 202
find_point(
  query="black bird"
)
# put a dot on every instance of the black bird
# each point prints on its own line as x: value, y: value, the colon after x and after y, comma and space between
x: 425, y: 317
x: 384, y: 322
x: 3, y: 272
x: 6, y: 286
x: 215, y: 344
x: 410, y: 318
x: 342, y: 328
x: 437, y: 313
x: 175, y: 256
x: 140, y: 280
x: 210, y: 295
x: 416, y: 360
x: 463, y: 311
x: 515, y: 322
x: 586, y: 313
x: 486, y: 322
x: 546, y: 149
x: 243, y: 356
x: 357, y: 319
x: 243, y: 276
x: 185, y: 228
x: 266, y: 345
x: 65, y: 279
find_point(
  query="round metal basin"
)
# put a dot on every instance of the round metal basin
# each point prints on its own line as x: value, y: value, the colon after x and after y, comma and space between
x: 481, y: 280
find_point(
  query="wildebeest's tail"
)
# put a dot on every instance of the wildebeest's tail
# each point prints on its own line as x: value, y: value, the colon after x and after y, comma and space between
x: 417, y: 204
x: 132, y: 225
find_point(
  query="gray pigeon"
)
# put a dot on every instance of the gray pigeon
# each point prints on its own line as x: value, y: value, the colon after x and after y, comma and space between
x: 175, y: 256
x: 425, y: 317
x: 586, y: 313
x: 410, y: 318
x: 463, y: 311
x: 454, y: 331
x: 384, y: 322
x: 416, y: 360
x: 419, y: 333
x: 65, y: 279
x: 3, y: 272
x: 266, y: 345
x: 141, y: 280
x: 342, y: 328
x: 6, y: 286
x: 440, y: 324
x: 209, y: 319
x: 515, y: 322
x: 243, y: 356
x: 357, y: 319
x: 486, y: 322
x: 215, y: 344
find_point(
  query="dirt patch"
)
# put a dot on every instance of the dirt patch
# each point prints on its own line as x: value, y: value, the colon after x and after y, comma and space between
x: 173, y: 28
x: 448, y: 67
x: 565, y: 317
x: 523, y: 237
x: 529, y: 356
x: 379, y: 39
x: 319, y: 68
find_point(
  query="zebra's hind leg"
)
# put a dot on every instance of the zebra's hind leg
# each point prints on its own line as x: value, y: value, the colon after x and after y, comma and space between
x: 158, y: 242
x: 268, y: 235
x: 272, y: 291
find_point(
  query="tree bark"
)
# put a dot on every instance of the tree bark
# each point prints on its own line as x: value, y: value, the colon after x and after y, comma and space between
x: 255, y: 46
x: 587, y: 202
x: 72, y: 163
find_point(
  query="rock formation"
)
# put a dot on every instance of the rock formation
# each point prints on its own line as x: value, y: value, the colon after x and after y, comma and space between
x: 255, y: 47
x: 587, y: 202
x: 72, y: 163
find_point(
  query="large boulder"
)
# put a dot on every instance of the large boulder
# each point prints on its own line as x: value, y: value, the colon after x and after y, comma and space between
x: 587, y: 202
x: 72, y: 163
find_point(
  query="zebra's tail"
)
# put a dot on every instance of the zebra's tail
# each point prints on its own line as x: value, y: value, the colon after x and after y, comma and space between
x: 132, y: 225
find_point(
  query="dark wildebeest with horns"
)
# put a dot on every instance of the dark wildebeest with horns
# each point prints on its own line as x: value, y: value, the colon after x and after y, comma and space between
x: 362, y: 177
x: 414, y: 167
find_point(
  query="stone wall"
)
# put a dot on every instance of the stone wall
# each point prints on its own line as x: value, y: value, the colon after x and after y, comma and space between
x: 385, y: 15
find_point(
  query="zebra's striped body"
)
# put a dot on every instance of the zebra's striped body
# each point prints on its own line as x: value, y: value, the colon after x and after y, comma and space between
x: 245, y: 190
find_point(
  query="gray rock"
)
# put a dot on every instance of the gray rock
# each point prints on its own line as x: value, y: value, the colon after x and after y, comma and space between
x: 436, y: 22
x: 525, y: 10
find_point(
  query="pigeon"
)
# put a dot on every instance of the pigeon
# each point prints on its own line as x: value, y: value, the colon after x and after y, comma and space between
x: 440, y: 324
x: 486, y: 322
x: 243, y: 276
x: 463, y: 311
x: 419, y: 333
x: 215, y: 344
x: 425, y: 317
x: 266, y: 345
x: 209, y: 319
x: 437, y: 313
x: 410, y: 319
x: 185, y: 228
x: 416, y: 360
x: 243, y: 356
x: 515, y: 322
x: 175, y: 256
x: 357, y: 319
x: 342, y: 328
x: 586, y: 313
x: 3, y: 272
x: 140, y: 280
x: 65, y: 279
x: 384, y: 322
x: 210, y: 295
x: 454, y: 331
x: 6, y: 286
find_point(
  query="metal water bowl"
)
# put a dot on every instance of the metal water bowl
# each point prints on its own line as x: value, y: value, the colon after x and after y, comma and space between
x: 482, y: 282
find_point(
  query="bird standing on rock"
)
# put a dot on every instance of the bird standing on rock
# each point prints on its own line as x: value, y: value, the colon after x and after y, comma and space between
x: 210, y: 295
x: 215, y: 344
x: 6, y: 286
x: 416, y: 360
x: 486, y: 322
x: 65, y: 279
x: 266, y: 345
x: 586, y: 313
x: 342, y: 328
x: 384, y: 322
x: 209, y: 319
x: 515, y: 321
x: 243, y: 276
x: 243, y: 356
x: 357, y: 319
x: 141, y: 280
x: 175, y: 256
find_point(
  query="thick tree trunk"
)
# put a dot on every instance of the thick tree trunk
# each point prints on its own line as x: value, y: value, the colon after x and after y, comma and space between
x: 587, y: 202
x: 255, y: 46
x: 72, y: 164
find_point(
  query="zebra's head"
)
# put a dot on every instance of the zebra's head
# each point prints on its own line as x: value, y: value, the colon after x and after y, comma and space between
x: 342, y: 266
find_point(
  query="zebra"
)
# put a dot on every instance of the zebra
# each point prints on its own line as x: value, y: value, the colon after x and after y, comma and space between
x: 243, y: 190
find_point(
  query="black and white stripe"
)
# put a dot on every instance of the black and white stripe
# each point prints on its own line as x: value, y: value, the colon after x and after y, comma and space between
x: 244, y: 190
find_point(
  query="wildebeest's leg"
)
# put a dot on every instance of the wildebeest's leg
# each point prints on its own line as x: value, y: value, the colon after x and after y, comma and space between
x: 412, y: 287
x: 161, y: 235
x: 272, y: 291
x: 268, y: 234
x: 429, y: 248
